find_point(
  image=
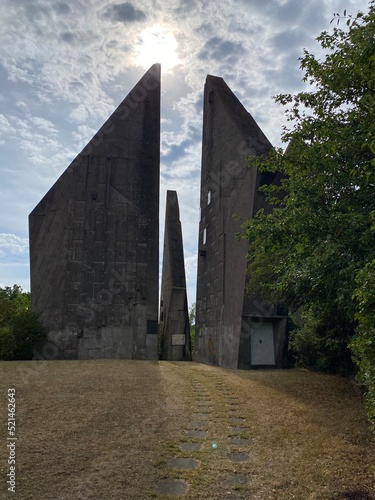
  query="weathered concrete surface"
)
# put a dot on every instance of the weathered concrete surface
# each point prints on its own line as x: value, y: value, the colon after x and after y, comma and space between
x: 174, y: 329
x: 94, y: 238
x: 226, y: 318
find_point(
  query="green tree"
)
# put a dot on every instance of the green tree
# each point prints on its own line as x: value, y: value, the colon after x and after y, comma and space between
x: 20, y: 329
x: 308, y: 252
x: 13, y: 300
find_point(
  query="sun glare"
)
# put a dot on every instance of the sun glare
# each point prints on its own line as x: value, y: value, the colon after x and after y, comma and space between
x: 157, y: 45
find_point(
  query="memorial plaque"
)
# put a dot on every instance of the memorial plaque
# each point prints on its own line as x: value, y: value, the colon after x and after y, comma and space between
x: 178, y: 339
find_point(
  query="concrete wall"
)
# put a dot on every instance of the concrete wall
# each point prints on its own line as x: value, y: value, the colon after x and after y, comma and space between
x: 174, y: 316
x: 228, y: 187
x: 94, y: 238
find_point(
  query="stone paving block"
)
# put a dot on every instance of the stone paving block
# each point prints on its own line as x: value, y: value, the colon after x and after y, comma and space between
x: 171, y: 487
x: 190, y: 446
x: 183, y: 463
x: 238, y: 429
x: 201, y: 415
x: 197, y: 434
x: 236, y: 479
x: 241, y: 442
x: 236, y: 420
x: 203, y: 404
x: 238, y: 457
x: 199, y: 424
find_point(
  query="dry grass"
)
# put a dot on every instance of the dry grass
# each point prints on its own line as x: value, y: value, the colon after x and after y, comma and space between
x: 107, y: 430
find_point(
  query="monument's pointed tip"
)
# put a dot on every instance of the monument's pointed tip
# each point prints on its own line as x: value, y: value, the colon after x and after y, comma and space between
x: 213, y: 79
x: 155, y: 69
x: 172, y: 200
x: 217, y: 88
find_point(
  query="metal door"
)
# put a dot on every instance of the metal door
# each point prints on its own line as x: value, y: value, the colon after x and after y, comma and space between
x: 262, y: 345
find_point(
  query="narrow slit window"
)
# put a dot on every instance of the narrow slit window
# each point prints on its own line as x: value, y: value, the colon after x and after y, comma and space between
x: 209, y: 197
x: 204, y: 236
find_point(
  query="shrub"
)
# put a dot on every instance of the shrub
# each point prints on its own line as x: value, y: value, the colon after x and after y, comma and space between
x: 27, y: 332
x: 20, y: 329
x: 363, y: 344
x: 320, y: 344
x: 7, y: 343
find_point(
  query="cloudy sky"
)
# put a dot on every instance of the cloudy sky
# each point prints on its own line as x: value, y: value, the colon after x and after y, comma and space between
x: 66, y: 65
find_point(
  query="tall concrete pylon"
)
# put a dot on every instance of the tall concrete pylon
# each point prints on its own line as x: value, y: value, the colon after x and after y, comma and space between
x: 232, y: 330
x: 174, y: 329
x: 94, y: 239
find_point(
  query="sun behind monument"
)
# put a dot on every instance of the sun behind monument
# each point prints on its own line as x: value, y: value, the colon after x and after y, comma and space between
x: 157, y: 44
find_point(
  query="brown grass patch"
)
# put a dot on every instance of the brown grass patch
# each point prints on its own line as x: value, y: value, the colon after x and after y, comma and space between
x: 107, y: 429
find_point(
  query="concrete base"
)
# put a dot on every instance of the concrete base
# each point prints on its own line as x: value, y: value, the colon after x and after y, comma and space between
x: 97, y: 343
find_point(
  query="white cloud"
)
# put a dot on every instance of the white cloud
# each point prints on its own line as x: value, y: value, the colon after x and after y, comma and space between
x: 43, y: 124
x: 22, y: 105
x: 13, y: 245
x: 5, y: 126
x: 191, y: 276
x: 15, y: 73
x: 65, y: 65
x: 79, y: 114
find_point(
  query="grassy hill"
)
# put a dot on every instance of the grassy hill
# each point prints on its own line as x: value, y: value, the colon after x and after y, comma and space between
x: 110, y: 429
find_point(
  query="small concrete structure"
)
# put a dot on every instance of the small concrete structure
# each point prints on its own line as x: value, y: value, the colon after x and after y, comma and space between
x: 94, y: 239
x: 174, y: 331
x: 232, y: 330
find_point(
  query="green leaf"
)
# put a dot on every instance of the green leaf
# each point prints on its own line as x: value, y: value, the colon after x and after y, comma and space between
x: 310, y: 250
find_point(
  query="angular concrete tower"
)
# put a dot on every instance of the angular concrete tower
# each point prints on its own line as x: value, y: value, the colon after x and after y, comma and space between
x: 94, y: 238
x: 233, y: 330
x: 174, y: 329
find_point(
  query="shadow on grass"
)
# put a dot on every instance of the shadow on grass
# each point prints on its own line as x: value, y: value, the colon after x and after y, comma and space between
x: 87, y: 429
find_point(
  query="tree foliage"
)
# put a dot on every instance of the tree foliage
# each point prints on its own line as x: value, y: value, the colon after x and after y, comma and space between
x: 363, y: 344
x: 313, y: 251
x: 20, y: 329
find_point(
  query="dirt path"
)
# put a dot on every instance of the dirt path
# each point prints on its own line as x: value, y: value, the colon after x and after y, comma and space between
x: 147, y: 430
